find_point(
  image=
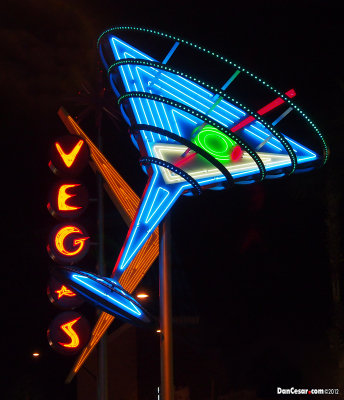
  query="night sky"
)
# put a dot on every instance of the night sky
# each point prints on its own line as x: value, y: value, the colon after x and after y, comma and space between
x: 267, y: 305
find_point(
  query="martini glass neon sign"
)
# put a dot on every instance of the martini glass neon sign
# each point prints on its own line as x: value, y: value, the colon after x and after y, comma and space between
x: 191, y: 135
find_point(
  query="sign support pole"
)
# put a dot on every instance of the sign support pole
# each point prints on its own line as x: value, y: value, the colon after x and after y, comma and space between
x: 102, y: 381
x: 166, y: 345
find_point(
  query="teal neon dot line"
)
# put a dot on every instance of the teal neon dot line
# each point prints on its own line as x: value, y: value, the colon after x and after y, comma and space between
x: 237, y: 66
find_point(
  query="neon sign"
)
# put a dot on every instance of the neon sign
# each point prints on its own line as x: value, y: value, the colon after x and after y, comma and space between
x: 126, y: 202
x: 104, y: 293
x: 68, y: 243
x: 63, y: 196
x: 219, y: 145
x: 62, y: 296
x: 68, y: 329
x: 68, y: 333
x: 192, y: 135
x: 68, y: 199
x: 68, y: 156
x: 63, y: 291
x: 158, y: 102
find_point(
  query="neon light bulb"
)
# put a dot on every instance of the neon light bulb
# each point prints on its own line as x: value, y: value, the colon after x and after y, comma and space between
x: 74, y: 338
x: 64, y: 292
x: 62, y: 234
x: 142, y: 295
x: 63, y: 196
x: 69, y: 158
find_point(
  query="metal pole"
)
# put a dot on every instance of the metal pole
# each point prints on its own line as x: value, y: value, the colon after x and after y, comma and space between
x: 166, y: 348
x: 102, y: 381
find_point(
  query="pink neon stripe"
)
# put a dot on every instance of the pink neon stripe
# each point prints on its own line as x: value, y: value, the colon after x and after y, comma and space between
x: 242, y: 123
x: 275, y: 103
x: 290, y: 93
x: 185, y: 160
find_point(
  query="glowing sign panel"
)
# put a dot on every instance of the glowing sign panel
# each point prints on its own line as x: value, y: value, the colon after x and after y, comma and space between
x: 68, y: 333
x: 69, y: 155
x: 68, y: 199
x: 68, y: 243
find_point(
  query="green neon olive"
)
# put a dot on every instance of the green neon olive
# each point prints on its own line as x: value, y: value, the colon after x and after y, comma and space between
x: 214, y: 142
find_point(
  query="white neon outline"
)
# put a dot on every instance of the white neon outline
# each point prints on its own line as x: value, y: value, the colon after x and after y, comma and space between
x: 270, y: 160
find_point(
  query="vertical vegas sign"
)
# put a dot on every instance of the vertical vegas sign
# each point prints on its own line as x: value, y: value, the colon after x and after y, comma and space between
x: 68, y: 241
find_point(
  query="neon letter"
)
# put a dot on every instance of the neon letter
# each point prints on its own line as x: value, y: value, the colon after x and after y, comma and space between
x: 74, y: 338
x: 69, y: 158
x: 62, y: 234
x: 63, y: 196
